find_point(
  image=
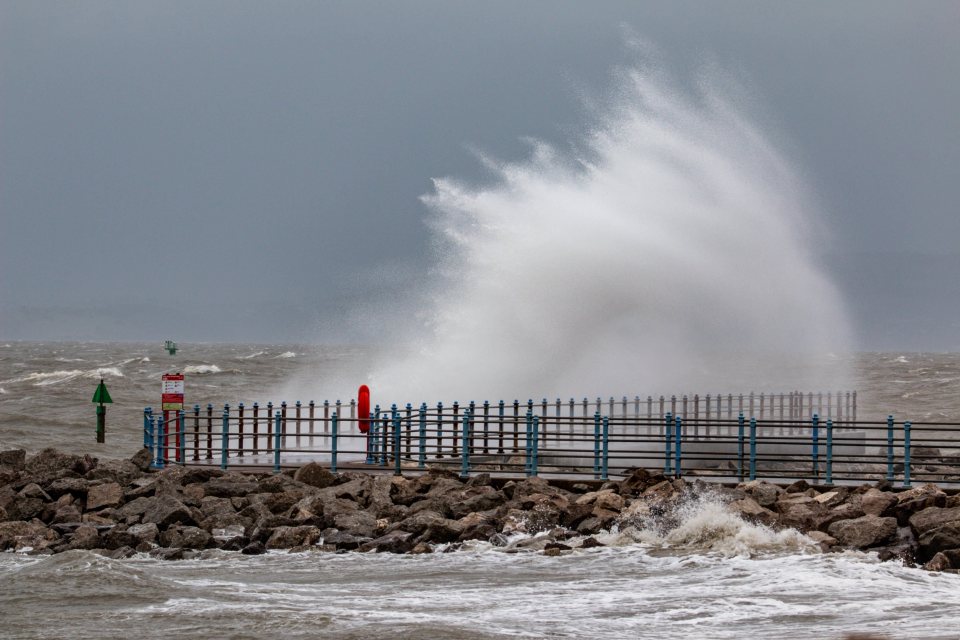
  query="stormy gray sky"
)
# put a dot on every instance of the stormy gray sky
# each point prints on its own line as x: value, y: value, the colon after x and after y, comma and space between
x: 252, y: 171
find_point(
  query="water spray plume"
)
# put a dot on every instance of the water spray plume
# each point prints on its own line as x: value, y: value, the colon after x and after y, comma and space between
x: 670, y: 253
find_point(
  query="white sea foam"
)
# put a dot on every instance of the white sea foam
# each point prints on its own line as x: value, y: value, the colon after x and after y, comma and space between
x: 671, y: 250
x: 287, y: 354
x: 202, y: 369
x: 256, y: 354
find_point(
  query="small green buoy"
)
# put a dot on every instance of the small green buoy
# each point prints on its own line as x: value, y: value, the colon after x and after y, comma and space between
x: 171, y: 347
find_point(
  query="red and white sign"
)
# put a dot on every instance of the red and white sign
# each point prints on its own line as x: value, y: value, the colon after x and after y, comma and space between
x: 172, y: 398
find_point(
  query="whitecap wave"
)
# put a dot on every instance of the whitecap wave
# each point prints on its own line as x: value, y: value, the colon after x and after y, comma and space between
x: 256, y: 354
x: 202, y: 369
x: 287, y: 354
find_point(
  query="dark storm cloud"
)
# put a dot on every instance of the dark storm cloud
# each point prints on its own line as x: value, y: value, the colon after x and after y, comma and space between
x: 252, y: 171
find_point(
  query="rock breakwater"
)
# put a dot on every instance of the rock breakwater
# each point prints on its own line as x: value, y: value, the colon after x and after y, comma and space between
x: 53, y: 502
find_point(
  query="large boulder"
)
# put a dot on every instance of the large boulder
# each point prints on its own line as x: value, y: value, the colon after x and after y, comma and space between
x: 764, y: 493
x: 104, y: 495
x: 15, y: 459
x: 289, y: 537
x: 315, y: 475
x: 917, y: 499
x: 398, y: 541
x: 864, y: 532
x: 50, y: 463
x: 165, y: 510
x: 936, y: 530
x: 878, y: 503
x: 19, y: 535
x: 181, y: 537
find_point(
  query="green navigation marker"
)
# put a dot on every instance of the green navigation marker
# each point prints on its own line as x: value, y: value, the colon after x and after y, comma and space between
x: 102, y: 396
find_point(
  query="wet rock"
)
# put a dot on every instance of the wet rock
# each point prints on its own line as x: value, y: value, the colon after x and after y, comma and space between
x: 287, y: 537
x: 834, y: 497
x: 141, y: 459
x: 76, y: 487
x: 15, y: 459
x: 800, y: 486
x: 864, y: 532
x: 591, y: 543
x: 165, y: 510
x: 750, y: 511
x: 825, y: 540
x: 19, y: 535
x: 342, y: 540
x: 84, y: 537
x: 185, y: 537
x: 421, y: 548
x: 104, y: 495
x: 50, y: 462
x: 917, y: 499
x: 948, y: 560
x: 147, y: 532
x: 230, y: 486
x: 163, y: 553
x: 800, y: 511
x: 33, y: 490
x: 639, y: 481
x: 878, y: 503
x: 936, y: 529
x: 117, y: 537
x: 394, y: 542
x: 254, y: 549
x: 359, y: 523
x: 764, y: 493
x: 120, y: 471
x: 314, y: 475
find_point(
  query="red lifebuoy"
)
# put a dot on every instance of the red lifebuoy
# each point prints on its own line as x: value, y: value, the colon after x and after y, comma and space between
x: 363, y: 408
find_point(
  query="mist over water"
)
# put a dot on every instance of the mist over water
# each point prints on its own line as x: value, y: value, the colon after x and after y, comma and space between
x: 669, y: 251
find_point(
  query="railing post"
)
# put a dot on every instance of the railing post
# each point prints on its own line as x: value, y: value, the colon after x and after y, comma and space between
x: 890, y: 448
x: 753, y: 448
x: 668, y: 438
x: 224, y: 436
x: 536, y: 446
x: 182, y: 437
x: 161, y: 441
x: 465, y: 448
x: 396, y: 444
x: 209, y: 431
x: 146, y: 425
x: 269, y: 426
x: 677, y: 449
x: 500, y: 408
x: 596, y: 445
x: 385, y: 435
x: 606, y: 448
x: 240, y: 430
x: 196, y: 433
x: 333, y: 443
x: 256, y: 428
x: 279, y: 427
x: 422, y: 454
x: 527, y: 445
x: 906, y: 453
x: 486, y: 427
x: 740, y: 424
x: 440, y: 430
x: 816, y: 446
x: 370, y: 438
x: 829, y: 477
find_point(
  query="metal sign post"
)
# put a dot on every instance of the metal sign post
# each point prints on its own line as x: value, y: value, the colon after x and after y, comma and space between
x: 172, y: 400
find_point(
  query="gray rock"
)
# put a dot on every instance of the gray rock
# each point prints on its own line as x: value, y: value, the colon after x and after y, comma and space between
x: 147, y: 532
x: 394, y: 542
x: 49, y: 462
x: 864, y: 532
x: 85, y: 537
x: 104, y: 495
x: 315, y: 475
x: 13, y: 458
x: 185, y: 537
x: 764, y: 493
x: 288, y: 537
x: 165, y: 510
x: 19, y: 535
x: 936, y: 529
x: 878, y: 503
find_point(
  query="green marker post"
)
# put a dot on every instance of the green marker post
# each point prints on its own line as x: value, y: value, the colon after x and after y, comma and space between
x: 102, y: 396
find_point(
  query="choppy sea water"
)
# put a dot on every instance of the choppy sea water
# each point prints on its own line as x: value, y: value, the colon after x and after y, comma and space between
x: 711, y: 577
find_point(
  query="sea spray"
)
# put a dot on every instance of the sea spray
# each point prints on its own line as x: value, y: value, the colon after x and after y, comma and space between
x: 670, y: 253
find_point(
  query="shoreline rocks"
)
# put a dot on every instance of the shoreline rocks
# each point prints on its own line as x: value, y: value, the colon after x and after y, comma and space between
x: 54, y: 502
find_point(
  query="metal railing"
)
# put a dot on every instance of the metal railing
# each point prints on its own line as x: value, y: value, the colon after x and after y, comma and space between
x: 515, y: 440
